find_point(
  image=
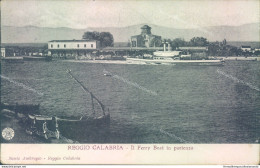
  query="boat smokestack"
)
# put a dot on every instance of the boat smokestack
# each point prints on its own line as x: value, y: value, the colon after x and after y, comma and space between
x: 164, y: 46
x: 169, y: 47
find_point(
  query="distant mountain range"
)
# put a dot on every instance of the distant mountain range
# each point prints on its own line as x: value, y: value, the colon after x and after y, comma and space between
x: 33, y: 34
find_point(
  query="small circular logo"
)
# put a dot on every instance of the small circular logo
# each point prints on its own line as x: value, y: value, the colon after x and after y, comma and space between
x: 8, y: 133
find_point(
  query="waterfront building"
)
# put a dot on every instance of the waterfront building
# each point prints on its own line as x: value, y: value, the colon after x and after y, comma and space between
x: 72, y: 48
x: 246, y: 48
x: 198, y: 52
x: 256, y: 49
x: 2, y: 52
x: 146, y: 38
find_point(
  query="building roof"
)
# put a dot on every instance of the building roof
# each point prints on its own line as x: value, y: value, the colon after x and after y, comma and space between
x: 146, y: 27
x: 156, y: 36
x: 136, y: 35
x: 149, y: 35
x: 192, y: 48
x: 72, y: 40
x: 131, y: 48
x: 245, y: 46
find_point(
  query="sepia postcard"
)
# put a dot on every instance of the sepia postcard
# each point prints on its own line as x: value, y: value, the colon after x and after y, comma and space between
x: 130, y: 82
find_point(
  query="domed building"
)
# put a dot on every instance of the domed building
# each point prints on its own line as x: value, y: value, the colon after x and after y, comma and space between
x: 146, y: 38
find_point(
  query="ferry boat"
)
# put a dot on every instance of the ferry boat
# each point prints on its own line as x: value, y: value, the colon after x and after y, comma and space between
x: 171, y: 61
x: 172, y: 58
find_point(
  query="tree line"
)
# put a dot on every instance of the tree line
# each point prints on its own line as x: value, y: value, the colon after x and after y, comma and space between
x: 194, y: 42
x: 214, y: 48
x: 106, y: 38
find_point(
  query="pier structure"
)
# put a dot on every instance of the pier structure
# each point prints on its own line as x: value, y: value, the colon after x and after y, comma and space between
x: 130, y: 51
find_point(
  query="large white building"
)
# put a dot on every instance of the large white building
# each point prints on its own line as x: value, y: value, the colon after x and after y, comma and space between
x: 72, y: 48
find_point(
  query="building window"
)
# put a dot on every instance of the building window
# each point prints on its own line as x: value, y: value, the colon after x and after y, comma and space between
x: 51, y: 45
x: 64, y: 45
x: 58, y: 46
x: 91, y: 45
x: 78, y: 45
x: 85, y: 45
x: 133, y: 43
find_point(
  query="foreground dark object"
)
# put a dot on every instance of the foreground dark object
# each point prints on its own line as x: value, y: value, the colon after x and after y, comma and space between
x: 52, y: 127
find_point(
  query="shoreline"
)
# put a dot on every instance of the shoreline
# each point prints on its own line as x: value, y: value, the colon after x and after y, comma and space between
x: 135, y: 61
x: 144, y: 62
x: 103, y: 61
x: 239, y: 58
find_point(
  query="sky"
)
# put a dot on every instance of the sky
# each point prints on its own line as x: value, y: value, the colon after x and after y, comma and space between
x: 114, y: 13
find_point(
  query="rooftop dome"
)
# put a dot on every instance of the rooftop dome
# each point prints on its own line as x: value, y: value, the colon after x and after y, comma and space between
x: 146, y: 27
